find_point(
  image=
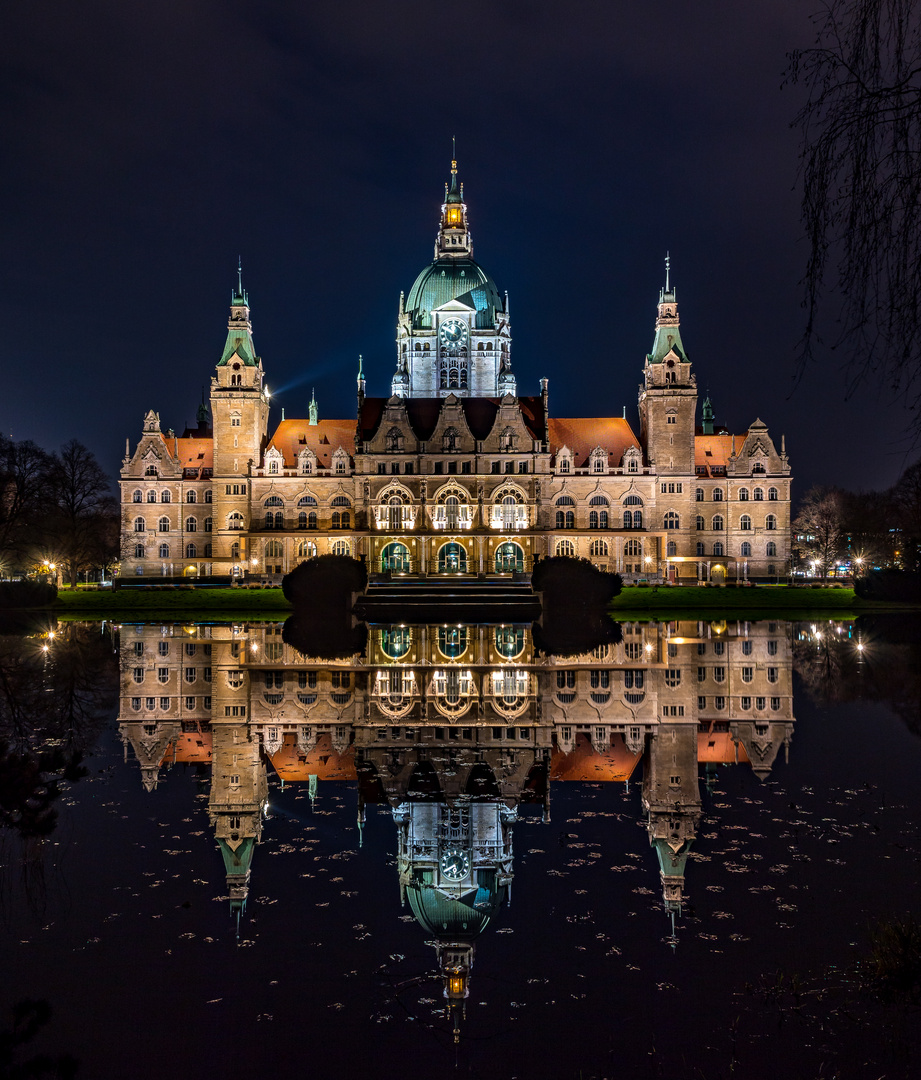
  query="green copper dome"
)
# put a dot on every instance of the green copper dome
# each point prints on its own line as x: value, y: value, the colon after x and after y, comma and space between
x: 453, y: 279
x: 461, y: 916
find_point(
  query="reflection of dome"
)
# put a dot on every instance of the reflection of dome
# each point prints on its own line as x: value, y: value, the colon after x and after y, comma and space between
x: 453, y: 279
x: 460, y: 916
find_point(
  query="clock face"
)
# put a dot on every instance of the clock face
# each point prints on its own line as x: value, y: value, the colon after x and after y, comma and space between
x: 455, y: 865
x: 453, y: 332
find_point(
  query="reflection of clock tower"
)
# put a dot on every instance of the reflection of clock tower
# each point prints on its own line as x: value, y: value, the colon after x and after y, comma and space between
x: 453, y: 333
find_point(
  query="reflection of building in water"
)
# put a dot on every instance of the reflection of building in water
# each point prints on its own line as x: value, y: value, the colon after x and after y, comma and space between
x: 454, y: 727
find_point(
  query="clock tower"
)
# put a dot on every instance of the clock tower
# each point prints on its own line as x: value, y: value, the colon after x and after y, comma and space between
x: 453, y: 332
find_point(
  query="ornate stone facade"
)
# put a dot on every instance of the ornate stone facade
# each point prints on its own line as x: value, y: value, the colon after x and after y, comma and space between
x: 454, y: 472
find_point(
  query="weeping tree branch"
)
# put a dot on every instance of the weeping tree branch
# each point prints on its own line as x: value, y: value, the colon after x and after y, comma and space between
x: 861, y: 179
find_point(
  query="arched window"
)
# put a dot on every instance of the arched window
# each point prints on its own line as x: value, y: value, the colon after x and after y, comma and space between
x: 565, y: 519
x: 164, y: 551
x: 746, y: 550
x: 140, y: 525
x: 191, y: 525
x: 395, y: 556
x: 745, y: 523
x: 770, y: 522
x: 598, y: 500
x: 163, y: 524
x: 633, y: 549
x: 191, y: 551
x: 699, y: 495
x: 306, y: 500
x: 758, y: 469
x: 718, y: 549
x: 209, y: 524
x: 671, y: 520
x: 302, y: 520
x: 208, y: 496
x: 771, y: 550
x: 718, y: 522
x: 772, y: 494
x: 758, y: 494
x: 273, y: 500
x: 190, y: 496
x: 717, y: 494
x: 273, y: 549
x: 151, y: 470
x: 165, y: 497
x: 633, y: 500
x: 509, y: 558
x: 671, y: 548
x: 235, y: 520
x: 306, y: 549
x: 137, y: 497
x: 565, y: 500
x: 452, y: 559
x: 341, y: 500
x: 743, y: 495
x: 599, y: 548
x: 565, y: 547
x: 207, y: 551
x: 700, y: 550
x: 699, y: 523
x: 151, y: 496
x: 312, y: 520
x: 139, y: 551
x: 273, y: 466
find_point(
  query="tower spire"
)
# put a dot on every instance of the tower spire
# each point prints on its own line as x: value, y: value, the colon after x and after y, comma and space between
x: 453, y: 233
x: 667, y: 268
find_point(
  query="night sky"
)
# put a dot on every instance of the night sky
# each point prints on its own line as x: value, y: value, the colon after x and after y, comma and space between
x: 146, y: 146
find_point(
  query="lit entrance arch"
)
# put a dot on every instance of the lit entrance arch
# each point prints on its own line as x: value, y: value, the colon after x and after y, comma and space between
x: 395, y: 556
x: 452, y: 559
x: 509, y: 558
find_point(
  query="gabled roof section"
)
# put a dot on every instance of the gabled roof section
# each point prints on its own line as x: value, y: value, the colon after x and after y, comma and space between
x: 324, y: 438
x: 480, y: 414
x: 583, y: 434
x: 584, y: 762
x: 715, y: 450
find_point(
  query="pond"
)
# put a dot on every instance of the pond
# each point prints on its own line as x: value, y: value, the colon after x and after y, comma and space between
x: 692, y: 852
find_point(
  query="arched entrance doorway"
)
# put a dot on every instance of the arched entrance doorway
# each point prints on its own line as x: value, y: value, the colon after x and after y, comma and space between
x: 395, y: 556
x: 452, y: 559
x: 509, y: 558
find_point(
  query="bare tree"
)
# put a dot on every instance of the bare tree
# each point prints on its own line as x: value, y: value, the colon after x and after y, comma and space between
x: 861, y: 206
x: 819, y: 533
x: 85, y: 513
x: 23, y: 497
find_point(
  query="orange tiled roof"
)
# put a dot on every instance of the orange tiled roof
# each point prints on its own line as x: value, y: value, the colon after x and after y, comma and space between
x: 188, y: 748
x: 322, y: 761
x: 718, y: 748
x: 323, y: 438
x: 192, y: 453
x: 710, y: 450
x: 587, y: 763
x: 583, y: 434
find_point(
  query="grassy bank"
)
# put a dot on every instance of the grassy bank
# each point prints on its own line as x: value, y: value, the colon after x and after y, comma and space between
x: 782, y: 601
x: 123, y: 604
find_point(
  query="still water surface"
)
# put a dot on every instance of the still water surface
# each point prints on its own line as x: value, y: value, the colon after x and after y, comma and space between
x: 450, y: 853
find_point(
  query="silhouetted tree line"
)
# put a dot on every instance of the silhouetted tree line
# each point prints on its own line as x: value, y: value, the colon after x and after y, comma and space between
x: 871, y: 528
x: 56, y: 507
x: 55, y: 695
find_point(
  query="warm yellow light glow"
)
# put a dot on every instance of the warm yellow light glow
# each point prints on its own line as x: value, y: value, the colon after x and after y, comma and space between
x: 455, y: 985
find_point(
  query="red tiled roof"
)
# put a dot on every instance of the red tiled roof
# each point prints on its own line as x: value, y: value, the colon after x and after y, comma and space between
x: 192, y: 453
x: 587, y: 763
x: 583, y: 434
x: 322, y: 761
x: 717, y: 747
x: 190, y: 747
x: 323, y: 438
x: 710, y: 450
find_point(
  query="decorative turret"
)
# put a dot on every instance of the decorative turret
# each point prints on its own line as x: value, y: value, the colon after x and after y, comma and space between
x: 239, y: 348
x: 313, y: 409
x: 707, y: 417
x: 454, y: 239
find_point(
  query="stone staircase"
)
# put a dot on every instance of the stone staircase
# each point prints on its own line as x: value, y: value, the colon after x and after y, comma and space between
x: 461, y: 599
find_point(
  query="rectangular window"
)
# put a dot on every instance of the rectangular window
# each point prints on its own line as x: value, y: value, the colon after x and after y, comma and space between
x: 701, y: 648
x: 465, y: 467
x: 206, y: 703
x: 206, y: 674
x: 701, y: 703
x: 381, y: 468
x: 701, y: 674
x: 522, y: 466
x: 139, y: 648
x: 719, y: 647
x: 439, y: 466
x: 409, y: 467
x: 235, y: 780
x: 772, y: 648
x: 673, y: 677
x: 496, y: 467
x: 235, y: 710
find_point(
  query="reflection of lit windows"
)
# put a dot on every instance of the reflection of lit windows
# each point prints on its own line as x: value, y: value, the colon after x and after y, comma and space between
x: 719, y: 674
x: 396, y: 641
x: 719, y: 647
x: 673, y: 677
x: 760, y: 704
x: 138, y: 674
x: 452, y: 641
x: 307, y: 681
x: 509, y: 641
x: 162, y: 674
x: 189, y: 704
x: 746, y: 648
x: 136, y: 704
x: 748, y: 674
x: 719, y: 703
x: 702, y: 704
x: 164, y: 704
x: 150, y: 704
x: 772, y: 674
x: 745, y: 704
x: 701, y: 674
x: 565, y: 683
x: 600, y: 679
x: 775, y: 704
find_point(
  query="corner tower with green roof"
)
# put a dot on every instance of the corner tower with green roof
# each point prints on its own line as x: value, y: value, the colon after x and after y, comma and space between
x: 668, y: 395
x: 453, y: 333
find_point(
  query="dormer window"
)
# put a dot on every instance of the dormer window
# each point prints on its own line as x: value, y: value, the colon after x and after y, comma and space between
x: 598, y: 460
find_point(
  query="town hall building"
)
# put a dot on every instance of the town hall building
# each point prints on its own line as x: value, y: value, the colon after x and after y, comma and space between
x: 454, y: 472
